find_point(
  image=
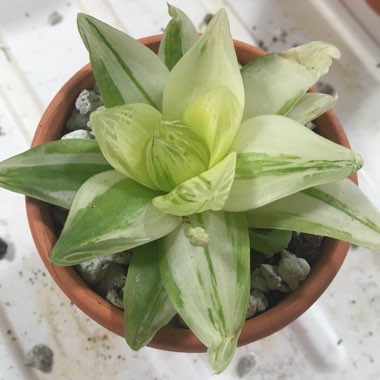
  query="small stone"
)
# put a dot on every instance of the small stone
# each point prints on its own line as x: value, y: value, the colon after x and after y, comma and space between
x: 245, y: 365
x: 292, y: 269
x: 273, y: 278
x: 122, y: 258
x: 55, y: 18
x: 94, y: 270
x: 88, y: 101
x: 114, y: 277
x: 40, y: 357
x: 115, y: 295
x: 3, y: 248
x: 77, y: 121
x: 257, y: 303
x: 78, y: 134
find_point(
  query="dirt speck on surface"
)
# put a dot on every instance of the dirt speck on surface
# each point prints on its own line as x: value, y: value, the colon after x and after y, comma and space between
x: 40, y: 357
x: 3, y: 245
x: 245, y: 365
x: 54, y: 18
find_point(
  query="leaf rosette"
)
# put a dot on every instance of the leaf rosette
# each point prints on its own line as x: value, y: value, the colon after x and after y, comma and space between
x: 190, y: 152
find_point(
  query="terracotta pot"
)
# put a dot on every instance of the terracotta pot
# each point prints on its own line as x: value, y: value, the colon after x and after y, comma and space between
x: 375, y: 5
x: 174, y: 339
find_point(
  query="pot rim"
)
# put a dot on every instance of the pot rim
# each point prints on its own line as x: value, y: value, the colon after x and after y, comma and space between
x: 333, y: 252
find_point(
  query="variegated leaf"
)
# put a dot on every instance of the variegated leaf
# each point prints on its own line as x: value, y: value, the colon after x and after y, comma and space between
x: 53, y: 172
x: 123, y: 134
x: 125, y: 70
x: 210, y: 63
x: 311, y: 106
x: 147, y: 306
x: 215, y: 116
x: 121, y: 216
x: 274, y: 83
x: 209, y: 285
x: 277, y: 156
x: 179, y: 36
x: 339, y: 210
x: 175, y: 154
x: 208, y: 191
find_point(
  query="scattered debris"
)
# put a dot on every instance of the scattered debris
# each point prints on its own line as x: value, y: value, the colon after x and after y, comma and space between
x: 27, y: 14
x: 55, y: 18
x: 378, y: 65
x: 207, y: 18
x: 3, y: 248
x: 40, y: 357
x: 245, y: 365
x: 6, y: 53
x: 325, y: 88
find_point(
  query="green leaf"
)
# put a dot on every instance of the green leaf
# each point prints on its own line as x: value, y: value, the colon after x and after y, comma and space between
x: 123, y: 134
x: 179, y: 36
x: 208, y: 191
x: 269, y: 241
x: 274, y: 83
x: 53, y: 172
x: 215, y: 116
x: 147, y: 306
x: 339, y: 210
x: 311, y: 106
x: 210, y: 63
x: 110, y: 213
x: 175, y: 154
x: 209, y: 286
x: 125, y: 70
x: 277, y: 156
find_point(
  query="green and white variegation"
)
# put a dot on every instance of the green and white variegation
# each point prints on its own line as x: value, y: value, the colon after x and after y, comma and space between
x: 311, y: 106
x: 179, y: 36
x: 53, y: 172
x: 277, y: 156
x: 123, y: 134
x: 121, y: 216
x: 210, y: 63
x: 147, y: 306
x: 116, y: 60
x: 339, y: 210
x: 209, y: 286
x: 208, y: 191
x: 274, y: 83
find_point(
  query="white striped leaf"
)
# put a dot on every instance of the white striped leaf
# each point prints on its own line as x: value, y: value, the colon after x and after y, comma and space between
x: 208, y: 191
x: 53, y: 172
x: 179, y: 36
x: 147, y: 306
x: 274, y: 83
x: 311, y: 106
x: 339, y: 210
x: 175, y: 154
x: 110, y: 213
x: 209, y: 286
x: 123, y: 134
x: 210, y: 63
x: 125, y: 70
x: 215, y: 116
x: 277, y: 156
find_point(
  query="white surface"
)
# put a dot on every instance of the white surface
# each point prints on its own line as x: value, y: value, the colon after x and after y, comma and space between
x: 37, y: 58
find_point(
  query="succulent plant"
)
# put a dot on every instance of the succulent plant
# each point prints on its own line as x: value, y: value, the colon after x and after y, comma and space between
x: 192, y: 151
